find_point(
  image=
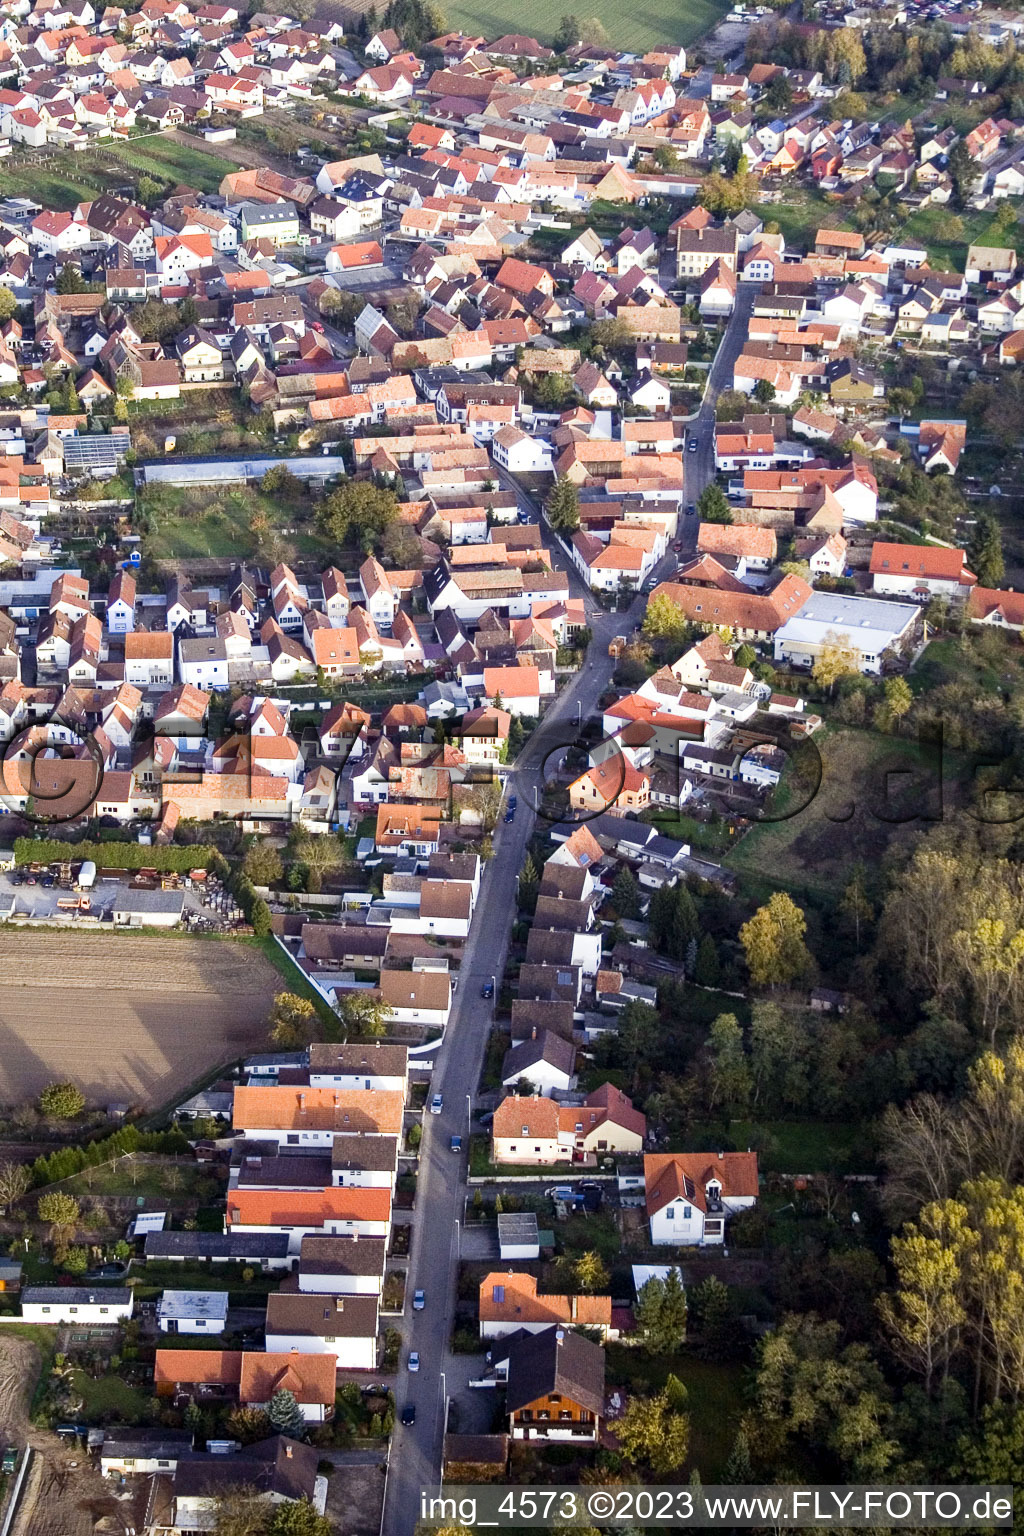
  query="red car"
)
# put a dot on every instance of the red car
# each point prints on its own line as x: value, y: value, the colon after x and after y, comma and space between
x: 318, y: 327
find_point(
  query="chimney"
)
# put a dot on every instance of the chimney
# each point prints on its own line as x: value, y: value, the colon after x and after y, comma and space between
x: 574, y: 1302
x: 288, y: 1452
x: 533, y: 1032
x: 721, y: 1155
x: 560, y: 1337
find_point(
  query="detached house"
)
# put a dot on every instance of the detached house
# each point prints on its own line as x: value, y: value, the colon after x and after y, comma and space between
x: 690, y: 1195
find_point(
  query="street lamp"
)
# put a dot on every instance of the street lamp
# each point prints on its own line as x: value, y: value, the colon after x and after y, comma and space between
x: 469, y: 1099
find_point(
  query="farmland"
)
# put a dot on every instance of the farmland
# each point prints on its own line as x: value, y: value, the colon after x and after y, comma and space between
x: 132, y: 1018
x: 638, y: 28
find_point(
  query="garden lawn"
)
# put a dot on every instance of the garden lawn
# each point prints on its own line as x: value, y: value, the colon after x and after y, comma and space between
x: 110, y: 1399
x: 171, y: 160
x: 796, y: 1146
x: 715, y: 1399
x: 635, y: 27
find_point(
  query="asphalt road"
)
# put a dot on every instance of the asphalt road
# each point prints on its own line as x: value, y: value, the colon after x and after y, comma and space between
x: 700, y: 465
x: 441, y: 1190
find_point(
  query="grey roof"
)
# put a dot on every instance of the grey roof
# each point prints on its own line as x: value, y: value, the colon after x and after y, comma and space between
x: 122, y: 1440
x: 76, y: 1295
x: 210, y: 1305
x: 366, y: 1154
x: 546, y: 946
x: 558, y: 911
x: 563, y: 880
x: 529, y: 1014
x: 367, y: 1056
x: 342, y: 1255
x: 322, y: 1317
x: 217, y: 1245
x: 129, y: 900
x: 518, y: 1227
x: 555, y: 1360
x: 547, y: 1047
x: 278, y: 1465
x: 308, y: 1171
x: 275, y: 1059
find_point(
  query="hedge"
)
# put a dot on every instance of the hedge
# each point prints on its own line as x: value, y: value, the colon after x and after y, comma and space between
x: 67, y: 1161
x: 169, y: 860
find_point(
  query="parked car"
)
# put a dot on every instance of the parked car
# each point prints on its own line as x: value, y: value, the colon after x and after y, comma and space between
x: 437, y: 1104
x: 510, y: 815
x: 414, y: 1360
x: 487, y: 990
x: 409, y: 1413
x: 691, y: 446
x: 455, y: 1145
x: 419, y: 1301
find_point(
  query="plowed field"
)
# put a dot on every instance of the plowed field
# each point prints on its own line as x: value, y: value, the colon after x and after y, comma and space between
x: 132, y: 1019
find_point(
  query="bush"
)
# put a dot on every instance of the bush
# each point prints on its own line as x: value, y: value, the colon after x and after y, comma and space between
x: 62, y: 1101
x: 169, y: 860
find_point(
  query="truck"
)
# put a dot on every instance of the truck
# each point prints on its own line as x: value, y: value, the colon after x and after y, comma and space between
x: 10, y: 1461
x: 73, y: 904
x: 87, y: 876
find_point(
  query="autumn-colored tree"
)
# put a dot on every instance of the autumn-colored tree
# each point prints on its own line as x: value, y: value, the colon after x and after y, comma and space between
x: 364, y: 1014
x: 837, y: 658
x: 773, y: 941
x: 665, y: 620
x: 590, y: 1273
x: 925, y: 1315
x: 652, y: 1435
x: 293, y: 1022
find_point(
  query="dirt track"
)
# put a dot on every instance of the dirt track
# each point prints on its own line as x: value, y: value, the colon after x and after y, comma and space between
x: 63, y: 1494
x: 127, y: 1018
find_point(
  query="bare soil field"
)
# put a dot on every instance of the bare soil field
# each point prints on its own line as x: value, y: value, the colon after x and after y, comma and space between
x: 132, y: 1019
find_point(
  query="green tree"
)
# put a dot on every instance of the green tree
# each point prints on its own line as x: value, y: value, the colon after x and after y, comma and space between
x: 590, y: 1274
x: 8, y: 304
x: 262, y: 864
x: 58, y: 1208
x: 651, y: 1435
x: 358, y: 512
x: 297, y: 1517
x: 70, y: 279
x: 713, y: 505
x: 744, y: 656
x: 364, y: 1014
x: 626, y: 893
x: 985, y: 550
x: 62, y: 1101
x: 568, y: 34
x: 529, y: 882
x: 285, y: 1415
x: 563, y: 506
x: 707, y: 970
x: 778, y: 1059
x: 293, y: 1022
x: 739, y: 1469
x: 729, y: 1070
x: 661, y: 1314
x: 764, y: 391
x: 259, y: 917
x: 773, y: 942
x: 76, y: 1260
x: 149, y: 190
x: 713, y: 1317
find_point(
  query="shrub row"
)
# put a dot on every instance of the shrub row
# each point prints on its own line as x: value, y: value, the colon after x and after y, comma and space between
x: 169, y: 859
x: 67, y: 1161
